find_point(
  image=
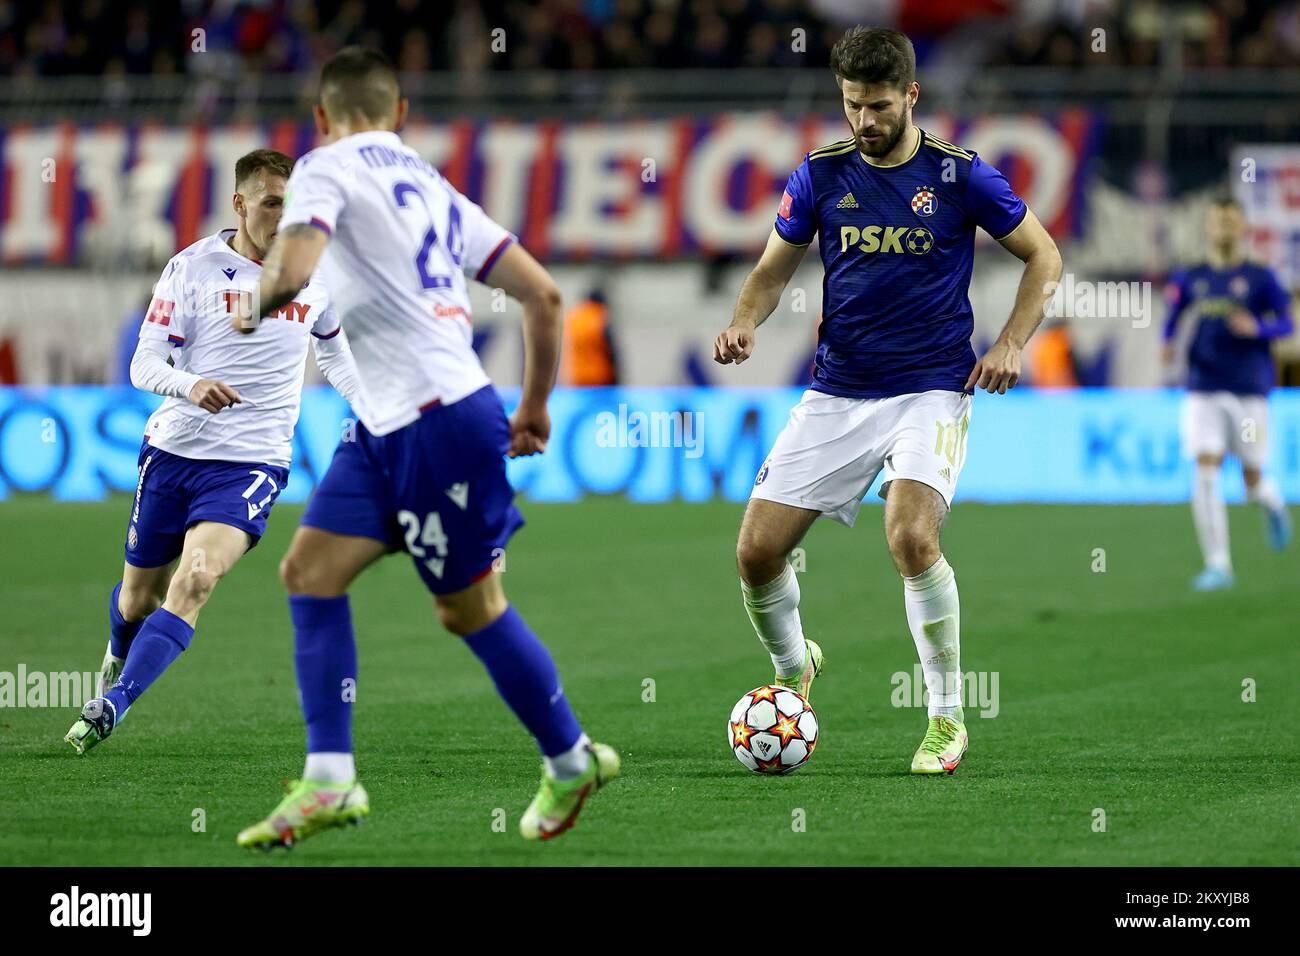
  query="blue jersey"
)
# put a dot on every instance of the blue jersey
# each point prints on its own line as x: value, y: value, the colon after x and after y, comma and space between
x: 1219, y: 360
x: 898, y: 246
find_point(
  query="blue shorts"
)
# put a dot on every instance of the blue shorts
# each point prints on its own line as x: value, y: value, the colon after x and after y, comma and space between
x: 436, y: 489
x: 173, y: 493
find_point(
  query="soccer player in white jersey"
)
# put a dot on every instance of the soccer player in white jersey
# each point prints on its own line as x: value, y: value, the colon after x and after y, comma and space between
x: 426, y: 471
x: 1237, y: 309
x: 894, y: 211
x: 216, y: 453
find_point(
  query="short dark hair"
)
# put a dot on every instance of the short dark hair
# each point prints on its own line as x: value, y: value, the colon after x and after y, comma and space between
x: 357, y: 81
x: 272, y: 160
x: 874, y: 55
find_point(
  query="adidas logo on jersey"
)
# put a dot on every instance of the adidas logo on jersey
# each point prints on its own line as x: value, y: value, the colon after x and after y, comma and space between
x: 848, y: 202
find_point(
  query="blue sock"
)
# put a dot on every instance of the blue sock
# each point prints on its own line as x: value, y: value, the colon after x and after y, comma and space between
x: 525, y: 677
x: 121, y: 632
x: 325, y: 655
x: 162, y: 637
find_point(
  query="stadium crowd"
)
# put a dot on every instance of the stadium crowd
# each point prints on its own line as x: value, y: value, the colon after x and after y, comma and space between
x: 98, y: 37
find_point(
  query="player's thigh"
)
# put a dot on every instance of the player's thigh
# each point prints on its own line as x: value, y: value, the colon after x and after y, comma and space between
x: 1248, y: 432
x: 925, y: 438
x: 322, y: 563
x: 769, y: 531
x: 1205, y: 426
x: 825, y: 457
x: 914, y: 517
x: 452, y: 500
x: 211, y: 549
x: 473, y: 608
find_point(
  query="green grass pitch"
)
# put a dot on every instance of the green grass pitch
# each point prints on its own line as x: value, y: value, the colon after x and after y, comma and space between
x: 1119, y: 691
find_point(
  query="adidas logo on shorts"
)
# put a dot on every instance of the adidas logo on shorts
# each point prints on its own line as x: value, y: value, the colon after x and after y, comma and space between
x: 848, y: 202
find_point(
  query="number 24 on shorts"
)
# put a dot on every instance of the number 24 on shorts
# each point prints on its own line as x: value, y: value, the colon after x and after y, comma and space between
x: 421, y: 536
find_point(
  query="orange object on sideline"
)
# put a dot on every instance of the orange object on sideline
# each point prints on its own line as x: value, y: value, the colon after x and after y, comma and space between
x: 587, y: 357
x: 1051, y: 361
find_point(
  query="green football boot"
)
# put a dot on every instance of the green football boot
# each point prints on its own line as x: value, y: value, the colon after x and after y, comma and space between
x: 110, y: 669
x: 309, y: 807
x: 98, y: 719
x: 942, y: 748
x: 558, y: 803
x: 802, y: 683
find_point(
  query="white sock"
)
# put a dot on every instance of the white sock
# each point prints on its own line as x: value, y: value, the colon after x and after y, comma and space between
x: 1211, y: 517
x: 1265, y: 493
x: 572, y: 763
x: 934, y: 616
x: 330, y: 767
x: 773, y: 609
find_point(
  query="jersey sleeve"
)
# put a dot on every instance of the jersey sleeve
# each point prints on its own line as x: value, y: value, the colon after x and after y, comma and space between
x: 1176, y: 297
x: 327, y: 322
x: 316, y: 192
x: 168, y: 316
x: 990, y: 201
x: 1275, y: 320
x: 796, y: 217
x: 482, y: 239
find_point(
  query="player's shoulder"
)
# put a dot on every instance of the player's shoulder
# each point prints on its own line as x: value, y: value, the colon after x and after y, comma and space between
x: 938, y: 148
x: 196, y: 252
x: 840, y: 148
x: 326, y: 158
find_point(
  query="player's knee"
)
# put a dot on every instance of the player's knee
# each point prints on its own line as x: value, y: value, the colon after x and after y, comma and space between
x: 300, y: 576
x: 757, y: 561
x: 914, y: 547
x: 137, y: 603
x: 192, y: 588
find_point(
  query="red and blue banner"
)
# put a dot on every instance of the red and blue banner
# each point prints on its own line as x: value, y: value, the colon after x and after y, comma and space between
x: 659, y: 188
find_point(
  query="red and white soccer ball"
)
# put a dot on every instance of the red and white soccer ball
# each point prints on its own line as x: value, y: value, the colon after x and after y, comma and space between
x: 772, y: 730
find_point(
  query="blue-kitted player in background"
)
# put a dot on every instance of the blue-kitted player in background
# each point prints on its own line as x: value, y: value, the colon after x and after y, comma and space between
x: 1239, y: 308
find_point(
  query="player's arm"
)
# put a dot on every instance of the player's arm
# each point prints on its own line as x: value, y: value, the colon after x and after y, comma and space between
x: 334, y: 359
x: 1176, y: 295
x: 1273, y: 322
x: 289, y: 264
x: 165, y: 328
x: 524, y: 279
x: 758, y: 299
x: 1029, y: 242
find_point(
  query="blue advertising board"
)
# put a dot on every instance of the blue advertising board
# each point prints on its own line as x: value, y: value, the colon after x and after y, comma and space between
x: 80, y: 443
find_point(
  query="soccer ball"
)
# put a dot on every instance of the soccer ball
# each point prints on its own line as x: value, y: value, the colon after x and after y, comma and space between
x: 772, y: 730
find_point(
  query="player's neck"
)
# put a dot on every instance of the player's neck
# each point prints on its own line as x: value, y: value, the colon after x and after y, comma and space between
x: 1226, y: 258
x: 905, y: 147
x: 245, y: 247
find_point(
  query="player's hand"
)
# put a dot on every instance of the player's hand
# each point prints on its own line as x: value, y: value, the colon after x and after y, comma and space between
x: 1243, y: 325
x: 530, y: 427
x: 733, y: 345
x: 212, y: 396
x: 997, y: 371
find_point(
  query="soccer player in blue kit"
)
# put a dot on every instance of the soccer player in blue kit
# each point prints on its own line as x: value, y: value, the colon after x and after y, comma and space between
x: 1239, y: 308
x: 894, y: 210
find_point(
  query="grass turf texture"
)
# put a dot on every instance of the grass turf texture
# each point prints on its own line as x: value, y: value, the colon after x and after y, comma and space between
x: 1119, y: 690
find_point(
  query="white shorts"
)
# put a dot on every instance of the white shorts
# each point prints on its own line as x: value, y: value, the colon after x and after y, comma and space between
x: 832, y: 448
x: 1219, y: 423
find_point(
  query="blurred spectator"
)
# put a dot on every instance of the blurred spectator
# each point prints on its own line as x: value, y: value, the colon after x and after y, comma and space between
x: 94, y: 37
x: 588, y: 356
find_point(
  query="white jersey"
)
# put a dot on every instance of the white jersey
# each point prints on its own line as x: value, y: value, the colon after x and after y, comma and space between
x: 192, y: 308
x: 403, y: 241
